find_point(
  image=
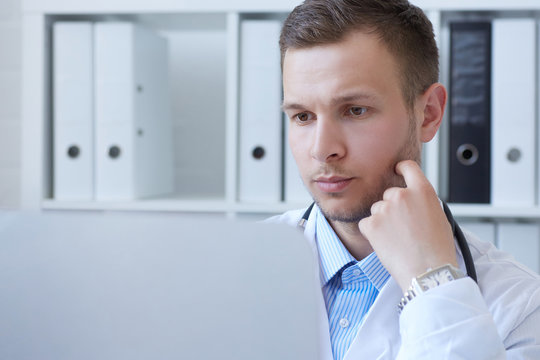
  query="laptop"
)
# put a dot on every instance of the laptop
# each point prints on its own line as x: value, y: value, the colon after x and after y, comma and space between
x: 94, y: 285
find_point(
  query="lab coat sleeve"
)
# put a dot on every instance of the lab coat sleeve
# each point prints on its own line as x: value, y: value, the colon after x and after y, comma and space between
x: 451, y: 321
x: 523, y: 340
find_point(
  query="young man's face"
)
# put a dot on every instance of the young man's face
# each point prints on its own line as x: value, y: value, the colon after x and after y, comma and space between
x: 349, y: 124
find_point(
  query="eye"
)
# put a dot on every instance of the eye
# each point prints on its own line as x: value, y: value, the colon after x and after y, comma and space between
x: 302, y: 117
x: 357, y: 110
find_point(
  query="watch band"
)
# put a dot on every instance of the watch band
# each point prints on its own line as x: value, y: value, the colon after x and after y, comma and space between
x: 428, y: 280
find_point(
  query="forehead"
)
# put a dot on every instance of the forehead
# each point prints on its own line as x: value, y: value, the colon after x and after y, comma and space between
x: 360, y: 62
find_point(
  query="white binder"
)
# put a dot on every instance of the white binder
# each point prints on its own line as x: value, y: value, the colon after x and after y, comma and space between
x: 513, y: 112
x: 522, y: 241
x: 133, y: 123
x: 260, y: 112
x: 295, y: 191
x: 73, y: 140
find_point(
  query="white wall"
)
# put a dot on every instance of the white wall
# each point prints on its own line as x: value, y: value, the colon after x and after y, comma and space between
x: 10, y: 96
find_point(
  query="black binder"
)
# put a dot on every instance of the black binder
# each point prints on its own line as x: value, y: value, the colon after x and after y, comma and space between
x: 470, y: 113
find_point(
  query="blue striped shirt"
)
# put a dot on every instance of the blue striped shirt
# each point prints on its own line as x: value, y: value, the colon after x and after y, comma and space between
x: 349, y: 286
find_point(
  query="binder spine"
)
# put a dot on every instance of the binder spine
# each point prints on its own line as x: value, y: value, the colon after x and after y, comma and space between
x: 260, y: 114
x: 470, y: 113
x: 73, y: 140
x: 514, y: 112
x: 114, y: 89
x: 134, y: 141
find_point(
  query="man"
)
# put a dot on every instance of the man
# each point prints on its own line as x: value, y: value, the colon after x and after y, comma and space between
x: 361, y: 92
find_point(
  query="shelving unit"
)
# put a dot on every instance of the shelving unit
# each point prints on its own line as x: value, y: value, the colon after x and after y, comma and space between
x: 204, y: 38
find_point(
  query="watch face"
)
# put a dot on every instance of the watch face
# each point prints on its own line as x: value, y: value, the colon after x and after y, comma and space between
x: 434, y: 279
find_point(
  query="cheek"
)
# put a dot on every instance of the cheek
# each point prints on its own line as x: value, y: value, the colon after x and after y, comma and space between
x: 298, y: 145
x: 379, y: 145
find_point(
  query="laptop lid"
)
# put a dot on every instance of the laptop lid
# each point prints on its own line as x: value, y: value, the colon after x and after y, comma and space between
x: 149, y: 286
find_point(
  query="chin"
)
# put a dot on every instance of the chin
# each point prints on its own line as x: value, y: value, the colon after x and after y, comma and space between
x: 334, y: 211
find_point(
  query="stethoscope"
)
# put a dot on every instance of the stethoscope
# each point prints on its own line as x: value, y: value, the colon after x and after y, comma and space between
x: 456, y: 230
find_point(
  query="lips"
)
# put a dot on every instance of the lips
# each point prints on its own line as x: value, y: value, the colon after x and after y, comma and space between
x: 333, y: 184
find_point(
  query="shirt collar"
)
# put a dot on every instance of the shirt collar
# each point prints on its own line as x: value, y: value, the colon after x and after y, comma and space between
x: 334, y: 255
x: 374, y: 270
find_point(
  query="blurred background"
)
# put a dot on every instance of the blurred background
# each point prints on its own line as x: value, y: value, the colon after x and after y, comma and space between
x: 205, y: 134
x: 10, y: 99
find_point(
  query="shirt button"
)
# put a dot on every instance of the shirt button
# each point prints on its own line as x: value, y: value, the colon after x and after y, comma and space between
x: 356, y: 272
x: 343, y: 323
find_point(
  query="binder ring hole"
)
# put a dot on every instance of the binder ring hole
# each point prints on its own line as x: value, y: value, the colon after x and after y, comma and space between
x: 258, y: 152
x: 73, y: 151
x: 513, y: 155
x: 114, y: 152
x: 467, y: 154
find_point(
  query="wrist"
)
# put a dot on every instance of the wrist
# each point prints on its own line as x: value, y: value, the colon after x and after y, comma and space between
x: 405, y: 277
x: 428, y: 280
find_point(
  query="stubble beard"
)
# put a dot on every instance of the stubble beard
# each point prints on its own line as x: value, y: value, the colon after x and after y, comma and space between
x: 409, y: 151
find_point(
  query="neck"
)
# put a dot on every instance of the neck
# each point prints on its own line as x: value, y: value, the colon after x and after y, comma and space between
x: 352, y: 238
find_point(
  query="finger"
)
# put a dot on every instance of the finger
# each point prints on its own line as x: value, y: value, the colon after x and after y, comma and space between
x: 362, y: 226
x: 365, y: 226
x: 391, y: 193
x: 376, y: 207
x: 411, y: 172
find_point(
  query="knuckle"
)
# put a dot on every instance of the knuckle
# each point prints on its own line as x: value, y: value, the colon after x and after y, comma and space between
x: 377, y: 207
x: 389, y: 193
x: 363, y: 225
x: 400, y: 194
x: 374, y: 223
x: 367, y: 223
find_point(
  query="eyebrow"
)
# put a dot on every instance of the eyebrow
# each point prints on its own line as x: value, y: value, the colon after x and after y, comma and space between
x: 334, y: 101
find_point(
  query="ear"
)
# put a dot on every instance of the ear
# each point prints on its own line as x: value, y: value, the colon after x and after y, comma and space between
x: 431, y: 110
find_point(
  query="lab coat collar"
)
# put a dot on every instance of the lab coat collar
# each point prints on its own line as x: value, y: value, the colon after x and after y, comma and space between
x: 325, y: 346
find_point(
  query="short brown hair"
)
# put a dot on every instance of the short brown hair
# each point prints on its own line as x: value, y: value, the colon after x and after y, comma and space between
x: 403, y: 28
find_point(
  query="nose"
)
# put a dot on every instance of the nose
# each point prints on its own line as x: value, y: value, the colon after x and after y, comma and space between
x: 328, y: 142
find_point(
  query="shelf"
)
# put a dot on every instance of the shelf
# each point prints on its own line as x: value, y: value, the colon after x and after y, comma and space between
x: 206, y: 171
x: 167, y: 205
x: 491, y: 212
x: 140, y: 205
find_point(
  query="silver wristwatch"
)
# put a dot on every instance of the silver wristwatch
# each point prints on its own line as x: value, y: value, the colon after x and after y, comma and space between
x: 428, y: 280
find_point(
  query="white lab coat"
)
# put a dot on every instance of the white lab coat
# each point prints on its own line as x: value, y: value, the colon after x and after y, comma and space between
x: 497, y: 319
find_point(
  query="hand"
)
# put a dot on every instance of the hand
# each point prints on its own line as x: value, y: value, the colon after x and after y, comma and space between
x: 408, y: 229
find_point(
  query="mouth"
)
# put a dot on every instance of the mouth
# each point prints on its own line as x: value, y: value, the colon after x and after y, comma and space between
x: 333, y: 184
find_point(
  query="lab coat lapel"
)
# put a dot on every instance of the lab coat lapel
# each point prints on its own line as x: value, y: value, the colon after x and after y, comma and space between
x: 325, y: 347
x: 378, y: 336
